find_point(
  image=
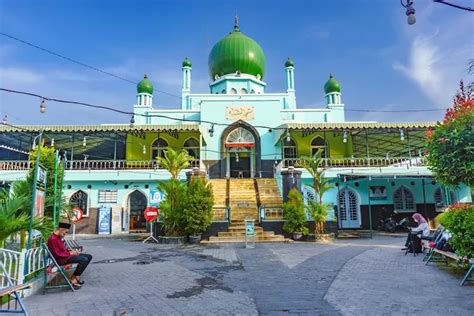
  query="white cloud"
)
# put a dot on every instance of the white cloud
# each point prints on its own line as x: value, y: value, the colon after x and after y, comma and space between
x: 19, y: 75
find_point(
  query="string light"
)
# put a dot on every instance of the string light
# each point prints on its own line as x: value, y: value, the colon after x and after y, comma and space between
x: 236, y: 157
x: 42, y: 106
x: 402, y: 135
x: 211, y: 130
x: 144, y: 149
x: 5, y: 120
x: 84, y: 141
x: 288, y: 137
x: 52, y: 142
x: 344, y: 137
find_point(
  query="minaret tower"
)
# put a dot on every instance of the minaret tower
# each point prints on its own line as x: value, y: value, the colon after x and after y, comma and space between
x: 290, y: 84
x: 145, y: 92
x: 186, y: 90
x: 332, y: 88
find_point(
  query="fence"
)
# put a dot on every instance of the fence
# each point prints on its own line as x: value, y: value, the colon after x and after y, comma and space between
x: 361, y: 162
x: 271, y: 213
x: 221, y: 214
x: 21, y: 265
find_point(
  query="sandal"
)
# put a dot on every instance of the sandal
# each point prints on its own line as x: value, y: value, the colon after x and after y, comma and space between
x: 80, y: 282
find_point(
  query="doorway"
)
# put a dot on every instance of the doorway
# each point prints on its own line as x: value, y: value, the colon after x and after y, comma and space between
x: 349, y: 209
x: 137, y: 203
x: 240, y: 164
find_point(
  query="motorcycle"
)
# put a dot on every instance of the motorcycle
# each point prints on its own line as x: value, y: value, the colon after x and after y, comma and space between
x: 391, y: 225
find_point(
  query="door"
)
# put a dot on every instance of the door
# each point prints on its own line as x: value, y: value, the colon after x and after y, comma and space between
x: 137, y: 205
x: 349, y: 209
x: 240, y: 165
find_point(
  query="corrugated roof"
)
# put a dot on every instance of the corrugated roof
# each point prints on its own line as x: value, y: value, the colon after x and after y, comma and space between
x: 98, y: 128
x: 358, y: 125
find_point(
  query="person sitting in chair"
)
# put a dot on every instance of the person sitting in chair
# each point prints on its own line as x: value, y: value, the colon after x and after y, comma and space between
x: 63, y: 256
x: 422, y: 230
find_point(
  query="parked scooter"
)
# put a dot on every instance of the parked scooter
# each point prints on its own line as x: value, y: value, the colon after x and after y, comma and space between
x: 390, y: 224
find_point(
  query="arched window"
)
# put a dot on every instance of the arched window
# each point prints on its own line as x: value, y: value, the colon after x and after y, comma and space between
x: 252, y: 91
x: 223, y: 91
x: 233, y: 91
x: 348, y: 206
x: 318, y: 144
x: 158, y: 148
x: 243, y: 91
x: 289, y: 149
x: 403, y: 200
x: 191, y: 145
x: 80, y: 200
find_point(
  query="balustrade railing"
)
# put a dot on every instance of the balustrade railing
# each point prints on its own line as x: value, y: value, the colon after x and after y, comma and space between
x: 221, y: 214
x: 15, y: 165
x: 271, y: 213
x: 361, y: 162
x: 20, y: 265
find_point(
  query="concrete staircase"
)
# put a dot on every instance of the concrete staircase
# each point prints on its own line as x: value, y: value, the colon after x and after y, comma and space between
x: 243, y: 203
x: 269, y: 192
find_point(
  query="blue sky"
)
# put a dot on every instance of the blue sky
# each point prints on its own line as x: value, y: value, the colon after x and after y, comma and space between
x: 380, y: 61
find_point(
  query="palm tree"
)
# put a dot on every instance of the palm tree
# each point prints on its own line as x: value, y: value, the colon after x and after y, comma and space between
x: 174, y: 161
x: 14, y: 217
x: 320, y: 185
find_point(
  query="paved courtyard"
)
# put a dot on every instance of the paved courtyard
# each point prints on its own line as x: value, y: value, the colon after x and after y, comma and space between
x: 348, y: 277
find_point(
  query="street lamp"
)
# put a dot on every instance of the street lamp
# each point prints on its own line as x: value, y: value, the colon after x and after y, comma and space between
x: 410, y: 12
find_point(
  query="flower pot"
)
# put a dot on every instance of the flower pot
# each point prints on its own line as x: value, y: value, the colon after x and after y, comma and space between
x: 297, y: 236
x: 172, y: 240
x: 196, y: 239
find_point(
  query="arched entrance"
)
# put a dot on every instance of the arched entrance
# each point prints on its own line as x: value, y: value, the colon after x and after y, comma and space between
x: 241, y: 151
x: 137, y: 203
x: 349, y: 209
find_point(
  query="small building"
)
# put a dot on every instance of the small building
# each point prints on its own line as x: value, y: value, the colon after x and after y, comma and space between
x: 240, y: 136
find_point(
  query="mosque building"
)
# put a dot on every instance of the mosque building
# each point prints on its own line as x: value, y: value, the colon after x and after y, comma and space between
x: 249, y: 143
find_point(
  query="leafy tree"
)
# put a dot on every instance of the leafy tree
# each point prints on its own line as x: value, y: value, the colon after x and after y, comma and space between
x: 174, y: 161
x: 450, y: 144
x: 295, y: 216
x: 320, y: 185
x: 198, y: 206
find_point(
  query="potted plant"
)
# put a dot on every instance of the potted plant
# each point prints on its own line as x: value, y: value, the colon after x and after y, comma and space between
x: 295, y: 216
x: 198, y: 208
x: 172, y: 207
x: 320, y: 185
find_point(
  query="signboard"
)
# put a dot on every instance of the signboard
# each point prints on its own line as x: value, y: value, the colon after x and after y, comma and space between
x: 41, y: 181
x: 378, y: 192
x: 77, y: 214
x: 151, y: 213
x: 240, y: 113
x: 39, y: 204
x: 156, y: 197
x: 249, y: 233
x: 104, y: 220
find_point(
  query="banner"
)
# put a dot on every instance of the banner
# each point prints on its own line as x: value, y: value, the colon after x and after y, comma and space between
x: 104, y: 220
x: 39, y: 204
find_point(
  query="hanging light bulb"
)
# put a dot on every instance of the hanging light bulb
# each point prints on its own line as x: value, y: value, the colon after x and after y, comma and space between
x: 52, y: 142
x: 370, y: 178
x: 211, y: 130
x: 132, y: 120
x: 5, y: 120
x: 344, y: 137
x: 144, y: 149
x: 270, y: 130
x: 43, y: 106
x: 402, y: 135
x: 84, y: 142
x: 34, y: 144
x: 410, y: 12
x: 288, y: 137
x: 236, y: 157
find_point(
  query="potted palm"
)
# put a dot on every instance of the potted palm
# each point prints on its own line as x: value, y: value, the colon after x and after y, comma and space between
x: 198, y: 208
x: 295, y: 216
x: 172, y: 206
x: 321, y: 185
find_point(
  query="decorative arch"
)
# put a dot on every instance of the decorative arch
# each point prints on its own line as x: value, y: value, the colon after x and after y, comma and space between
x: 191, y: 145
x: 137, y: 202
x: 158, y: 148
x: 256, y: 136
x: 80, y: 199
x: 243, y: 91
x: 319, y: 144
x: 233, y: 91
x: 348, y: 201
x: 403, y: 200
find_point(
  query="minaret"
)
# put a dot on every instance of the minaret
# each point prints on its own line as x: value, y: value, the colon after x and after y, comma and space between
x: 290, y: 84
x: 186, y: 90
x: 145, y: 92
x: 332, y: 89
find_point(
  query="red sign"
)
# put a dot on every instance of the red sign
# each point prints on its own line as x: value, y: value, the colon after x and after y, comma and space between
x: 151, y: 213
x: 77, y: 215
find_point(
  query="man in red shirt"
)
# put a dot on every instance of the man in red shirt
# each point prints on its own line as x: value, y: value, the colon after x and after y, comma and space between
x: 63, y: 256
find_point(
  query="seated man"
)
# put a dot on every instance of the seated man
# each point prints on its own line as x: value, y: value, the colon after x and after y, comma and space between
x: 63, y: 256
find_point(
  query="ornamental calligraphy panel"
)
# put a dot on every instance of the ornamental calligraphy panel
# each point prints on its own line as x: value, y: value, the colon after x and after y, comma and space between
x: 240, y: 113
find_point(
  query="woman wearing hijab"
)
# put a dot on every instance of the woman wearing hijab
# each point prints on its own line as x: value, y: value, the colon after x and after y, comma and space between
x: 422, y: 230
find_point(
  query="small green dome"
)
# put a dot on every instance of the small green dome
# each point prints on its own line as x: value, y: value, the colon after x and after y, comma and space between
x: 187, y: 62
x: 332, y: 85
x: 145, y: 86
x: 236, y: 52
x: 289, y: 63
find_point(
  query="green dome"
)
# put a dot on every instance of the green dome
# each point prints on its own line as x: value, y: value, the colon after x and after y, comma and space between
x: 187, y: 62
x: 332, y: 85
x: 145, y: 86
x: 289, y: 63
x: 236, y: 52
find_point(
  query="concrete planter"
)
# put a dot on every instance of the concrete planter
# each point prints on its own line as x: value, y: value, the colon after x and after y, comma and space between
x: 195, y: 239
x: 172, y: 240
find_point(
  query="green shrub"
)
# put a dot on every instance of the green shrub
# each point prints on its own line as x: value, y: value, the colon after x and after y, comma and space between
x: 198, y: 206
x: 295, y: 216
x: 318, y: 211
x: 459, y: 220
